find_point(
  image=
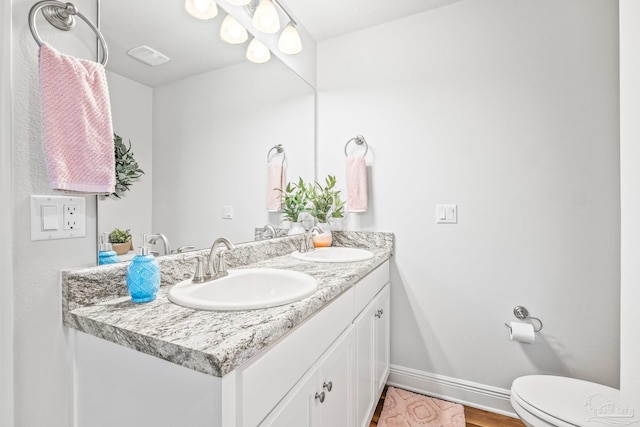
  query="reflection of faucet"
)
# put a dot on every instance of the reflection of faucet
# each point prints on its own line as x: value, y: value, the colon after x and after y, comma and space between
x: 307, y: 244
x: 153, y: 239
x: 182, y: 249
x: 217, y: 267
x: 268, y: 228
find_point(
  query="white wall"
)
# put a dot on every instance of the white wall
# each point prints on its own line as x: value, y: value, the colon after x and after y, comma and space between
x: 510, y: 110
x: 6, y: 256
x: 132, y: 112
x: 630, y: 190
x: 42, y: 369
x: 212, y: 133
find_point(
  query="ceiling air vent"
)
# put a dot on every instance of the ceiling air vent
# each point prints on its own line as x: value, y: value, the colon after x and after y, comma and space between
x: 148, y: 55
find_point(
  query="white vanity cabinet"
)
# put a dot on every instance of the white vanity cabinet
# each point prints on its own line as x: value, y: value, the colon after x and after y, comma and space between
x: 328, y: 371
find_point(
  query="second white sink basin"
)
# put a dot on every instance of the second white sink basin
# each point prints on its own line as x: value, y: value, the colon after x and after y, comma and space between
x: 334, y: 254
x: 245, y: 290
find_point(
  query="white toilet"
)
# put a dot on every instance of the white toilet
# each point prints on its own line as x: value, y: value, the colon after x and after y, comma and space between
x: 547, y: 400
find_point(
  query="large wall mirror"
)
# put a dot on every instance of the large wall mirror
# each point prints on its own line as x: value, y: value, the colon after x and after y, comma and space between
x: 200, y: 125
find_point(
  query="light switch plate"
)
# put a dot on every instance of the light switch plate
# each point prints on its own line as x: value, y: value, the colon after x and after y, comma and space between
x: 227, y: 212
x: 446, y: 214
x: 57, y: 217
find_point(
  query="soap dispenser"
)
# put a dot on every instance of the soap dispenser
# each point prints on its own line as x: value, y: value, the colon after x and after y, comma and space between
x: 143, y: 277
x: 106, y: 254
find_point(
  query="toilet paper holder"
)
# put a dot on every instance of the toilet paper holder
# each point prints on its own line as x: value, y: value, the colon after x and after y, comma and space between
x: 522, y: 313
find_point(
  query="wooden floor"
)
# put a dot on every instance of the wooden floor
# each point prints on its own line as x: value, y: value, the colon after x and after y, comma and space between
x: 474, y: 417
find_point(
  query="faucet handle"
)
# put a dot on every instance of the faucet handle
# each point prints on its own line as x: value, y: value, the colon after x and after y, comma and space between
x: 199, y: 275
x: 220, y: 267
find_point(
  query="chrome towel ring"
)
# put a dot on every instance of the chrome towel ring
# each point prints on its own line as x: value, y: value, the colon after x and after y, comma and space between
x: 61, y: 15
x: 359, y: 140
x: 279, y: 150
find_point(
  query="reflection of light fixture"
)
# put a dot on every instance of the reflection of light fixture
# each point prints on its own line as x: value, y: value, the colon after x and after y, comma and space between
x: 232, y: 31
x: 239, y: 2
x: 289, y: 41
x: 265, y: 18
x: 201, y: 9
x: 258, y: 52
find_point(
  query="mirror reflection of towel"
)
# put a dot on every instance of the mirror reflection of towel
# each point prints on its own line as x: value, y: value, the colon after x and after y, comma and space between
x: 357, y: 184
x: 275, y: 186
x: 78, y: 134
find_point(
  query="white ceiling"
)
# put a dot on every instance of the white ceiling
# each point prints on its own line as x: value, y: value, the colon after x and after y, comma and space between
x: 195, y: 47
x: 325, y: 19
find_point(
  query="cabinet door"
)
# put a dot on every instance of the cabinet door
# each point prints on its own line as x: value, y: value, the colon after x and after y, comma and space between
x: 336, y: 381
x: 365, y: 364
x: 382, y: 339
x: 297, y: 410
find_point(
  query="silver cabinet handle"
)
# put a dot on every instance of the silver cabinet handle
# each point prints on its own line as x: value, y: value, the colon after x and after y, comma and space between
x: 379, y: 313
x: 328, y: 386
x: 320, y: 396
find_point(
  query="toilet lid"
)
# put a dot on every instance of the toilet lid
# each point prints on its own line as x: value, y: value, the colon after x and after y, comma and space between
x: 573, y: 401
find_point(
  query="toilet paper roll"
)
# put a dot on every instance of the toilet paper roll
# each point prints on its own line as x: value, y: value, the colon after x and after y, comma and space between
x: 522, y: 332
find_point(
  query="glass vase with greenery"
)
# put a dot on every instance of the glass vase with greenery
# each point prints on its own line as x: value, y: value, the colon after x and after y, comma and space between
x: 296, y: 199
x: 127, y: 169
x: 325, y: 200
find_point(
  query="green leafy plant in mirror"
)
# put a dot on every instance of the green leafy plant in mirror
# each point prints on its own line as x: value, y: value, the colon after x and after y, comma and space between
x: 119, y: 236
x: 295, y: 199
x: 127, y: 169
x: 325, y: 200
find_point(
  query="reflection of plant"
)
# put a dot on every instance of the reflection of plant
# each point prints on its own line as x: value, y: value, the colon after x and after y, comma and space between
x: 127, y: 169
x: 295, y: 199
x: 119, y: 236
x: 325, y: 201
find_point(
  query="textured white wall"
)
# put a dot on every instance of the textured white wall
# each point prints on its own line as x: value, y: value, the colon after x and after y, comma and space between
x: 43, y: 374
x: 510, y: 110
x: 132, y: 112
x: 6, y: 255
x: 630, y: 190
x: 212, y: 133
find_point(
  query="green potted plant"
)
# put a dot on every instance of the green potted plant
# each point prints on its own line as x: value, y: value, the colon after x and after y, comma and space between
x: 121, y: 241
x: 325, y: 203
x: 296, y: 201
x: 127, y: 169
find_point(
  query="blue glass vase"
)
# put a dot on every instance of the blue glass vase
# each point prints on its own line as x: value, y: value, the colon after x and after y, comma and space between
x: 143, y: 277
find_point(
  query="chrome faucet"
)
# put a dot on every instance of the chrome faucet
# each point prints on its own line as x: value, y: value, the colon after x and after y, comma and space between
x: 268, y: 228
x: 217, y: 268
x: 307, y: 243
x: 153, y: 239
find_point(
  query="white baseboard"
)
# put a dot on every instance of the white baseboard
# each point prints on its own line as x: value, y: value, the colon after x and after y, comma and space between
x: 481, y: 396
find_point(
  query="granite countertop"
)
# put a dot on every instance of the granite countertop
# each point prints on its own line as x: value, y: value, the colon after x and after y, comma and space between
x: 95, y: 301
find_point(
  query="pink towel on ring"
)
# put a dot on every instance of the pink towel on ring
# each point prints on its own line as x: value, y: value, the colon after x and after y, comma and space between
x: 78, y: 134
x: 357, y: 184
x: 275, y: 186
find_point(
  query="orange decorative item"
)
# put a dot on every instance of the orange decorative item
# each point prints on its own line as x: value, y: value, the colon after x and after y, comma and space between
x: 325, y: 238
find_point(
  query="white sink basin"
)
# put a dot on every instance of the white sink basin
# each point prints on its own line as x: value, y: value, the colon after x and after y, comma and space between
x: 245, y: 290
x: 334, y: 254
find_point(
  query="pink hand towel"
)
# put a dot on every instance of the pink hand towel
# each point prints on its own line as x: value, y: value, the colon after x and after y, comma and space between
x: 275, y: 186
x: 78, y: 134
x: 357, y: 184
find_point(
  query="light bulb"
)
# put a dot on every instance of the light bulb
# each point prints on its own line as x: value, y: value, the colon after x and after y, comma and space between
x: 232, y: 31
x: 265, y: 18
x: 289, y: 41
x: 201, y: 9
x: 239, y: 2
x: 258, y: 52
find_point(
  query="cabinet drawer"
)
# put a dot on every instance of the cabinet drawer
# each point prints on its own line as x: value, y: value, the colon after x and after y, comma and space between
x: 370, y: 285
x: 263, y: 383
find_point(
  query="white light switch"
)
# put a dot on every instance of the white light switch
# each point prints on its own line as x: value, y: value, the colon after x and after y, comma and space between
x: 447, y: 214
x: 49, y: 217
x: 57, y: 217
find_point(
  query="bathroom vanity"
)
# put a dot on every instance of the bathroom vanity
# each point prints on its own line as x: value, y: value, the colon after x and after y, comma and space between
x: 321, y: 361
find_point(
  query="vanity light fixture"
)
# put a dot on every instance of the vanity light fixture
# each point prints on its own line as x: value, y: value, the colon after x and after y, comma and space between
x: 289, y: 41
x: 232, y: 32
x: 201, y: 9
x: 257, y: 52
x: 266, y: 18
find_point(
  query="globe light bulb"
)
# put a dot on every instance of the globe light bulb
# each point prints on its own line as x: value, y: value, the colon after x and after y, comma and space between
x: 265, y: 18
x: 201, y: 9
x: 258, y: 52
x: 289, y: 41
x: 232, y: 31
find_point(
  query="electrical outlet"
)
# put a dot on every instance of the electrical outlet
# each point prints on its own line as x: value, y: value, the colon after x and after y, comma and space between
x: 70, y: 216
